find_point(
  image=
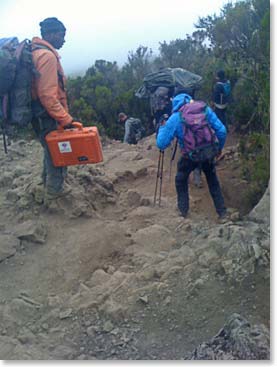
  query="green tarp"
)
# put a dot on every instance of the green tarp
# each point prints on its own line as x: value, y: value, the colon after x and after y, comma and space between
x: 170, y: 78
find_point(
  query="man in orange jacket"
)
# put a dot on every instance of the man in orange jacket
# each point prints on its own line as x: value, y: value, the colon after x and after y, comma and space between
x: 49, y: 103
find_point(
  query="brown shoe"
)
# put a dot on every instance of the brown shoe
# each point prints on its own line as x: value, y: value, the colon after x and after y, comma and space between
x: 224, y: 218
x: 50, y: 197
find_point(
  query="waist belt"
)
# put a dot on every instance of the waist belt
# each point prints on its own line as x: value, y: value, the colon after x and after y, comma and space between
x: 221, y: 106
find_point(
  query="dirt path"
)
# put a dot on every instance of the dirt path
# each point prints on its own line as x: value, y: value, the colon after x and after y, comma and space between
x: 108, y: 281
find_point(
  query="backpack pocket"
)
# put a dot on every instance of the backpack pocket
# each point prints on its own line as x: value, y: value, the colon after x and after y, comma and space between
x: 204, y: 153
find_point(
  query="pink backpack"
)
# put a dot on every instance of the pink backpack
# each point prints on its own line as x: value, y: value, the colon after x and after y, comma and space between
x: 200, y: 141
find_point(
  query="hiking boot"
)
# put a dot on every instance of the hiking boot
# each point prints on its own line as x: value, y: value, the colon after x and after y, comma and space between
x: 183, y: 214
x: 50, y: 197
x: 224, y: 218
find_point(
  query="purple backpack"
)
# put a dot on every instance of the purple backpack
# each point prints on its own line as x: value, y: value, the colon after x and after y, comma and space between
x: 200, y: 141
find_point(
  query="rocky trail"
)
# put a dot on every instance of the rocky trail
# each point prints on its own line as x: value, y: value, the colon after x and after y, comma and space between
x: 103, y: 274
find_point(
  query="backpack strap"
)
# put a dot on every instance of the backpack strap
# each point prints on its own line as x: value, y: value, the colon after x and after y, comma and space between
x: 60, y: 76
x: 41, y: 47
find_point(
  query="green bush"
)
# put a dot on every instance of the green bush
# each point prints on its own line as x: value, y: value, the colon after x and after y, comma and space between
x: 255, y: 155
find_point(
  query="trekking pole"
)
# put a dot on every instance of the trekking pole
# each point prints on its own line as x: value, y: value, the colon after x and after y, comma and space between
x: 5, y: 142
x: 172, y: 158
x: 3, y: 128
x: 159, y: 176
x: 4, y: 106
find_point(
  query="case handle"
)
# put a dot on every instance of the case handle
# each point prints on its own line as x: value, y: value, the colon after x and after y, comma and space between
x: 78, y: 125
x: 75, y: 124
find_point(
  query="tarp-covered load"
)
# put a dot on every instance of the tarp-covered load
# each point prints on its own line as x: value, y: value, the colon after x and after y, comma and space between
x: 170, y: 78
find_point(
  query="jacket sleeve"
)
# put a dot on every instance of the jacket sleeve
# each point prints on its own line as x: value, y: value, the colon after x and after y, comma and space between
x: 218, y: 127
x: 168, y: 132
x: 48, y: 88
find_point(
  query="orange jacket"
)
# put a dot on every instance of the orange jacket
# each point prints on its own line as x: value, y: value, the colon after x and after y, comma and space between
x: 48, y: 86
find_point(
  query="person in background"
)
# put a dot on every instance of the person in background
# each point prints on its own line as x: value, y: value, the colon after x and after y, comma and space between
x: 134, y: 131
x: 160, y: 102
x: 49, y: 101
x: 221, y: 92
x: 173, y: 128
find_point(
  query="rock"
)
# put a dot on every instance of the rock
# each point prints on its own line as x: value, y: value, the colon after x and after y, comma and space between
x: 131, y: 198
x: 8, y: 246
x: 19, y: 171
x: 144, y: 299
x: 114, y: 310
x: 65, y: 314
x: 13, y: 195
x: 38, y: 193
x: 154, y: 238
x: 25, y: 336
x: 237, y: 340
x: 131, y: 156
x: 261, y: 212
x: 62, y: 352
x: 149, y: 273
x: 6, y: 179
x: 31, y: 231
x: 142, y: 212
x: 104, y: 182
x: 81, y: 209
x: 91, y: 331
x: 99, y: 277
x: 182, y: 256
x: 18, y: 312
x: 7, y: 346
x: 108, y: 326
x: 208, y: 258
x: 145, y: 202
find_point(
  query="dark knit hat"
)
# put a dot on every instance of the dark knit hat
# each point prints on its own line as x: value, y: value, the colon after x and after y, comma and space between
x: 221, y: 74
x: 51, y: 25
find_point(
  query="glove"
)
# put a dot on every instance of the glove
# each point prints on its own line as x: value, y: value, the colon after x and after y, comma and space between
x: 161, y: 122
x: 163, y: 119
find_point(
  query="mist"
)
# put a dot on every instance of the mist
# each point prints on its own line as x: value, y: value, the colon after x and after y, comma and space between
x: 106, y: 30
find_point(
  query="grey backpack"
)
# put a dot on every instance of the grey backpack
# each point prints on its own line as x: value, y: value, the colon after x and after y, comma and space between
x: 16, y: 70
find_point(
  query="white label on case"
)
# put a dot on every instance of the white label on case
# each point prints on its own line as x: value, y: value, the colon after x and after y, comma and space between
x: 65, y: 147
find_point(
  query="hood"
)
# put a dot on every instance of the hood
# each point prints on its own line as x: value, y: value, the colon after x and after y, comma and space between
x: 179, y: 100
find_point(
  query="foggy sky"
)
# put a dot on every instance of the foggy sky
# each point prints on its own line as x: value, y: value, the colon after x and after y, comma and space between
x: 105, y: 29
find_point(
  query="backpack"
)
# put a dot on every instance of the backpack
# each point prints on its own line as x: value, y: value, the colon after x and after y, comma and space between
x: 170, y: 78
x: 226, y: 91
x: 159, y: 99
x: 200, y: 141
x: 16, y: 70
x: 137, y: 131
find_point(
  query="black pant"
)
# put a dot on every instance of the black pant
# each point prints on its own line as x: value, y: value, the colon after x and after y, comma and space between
x: 221, y: 114
x: 184, y: 168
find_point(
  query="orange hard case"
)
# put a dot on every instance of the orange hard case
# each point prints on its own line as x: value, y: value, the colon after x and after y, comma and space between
x: 79, y: 145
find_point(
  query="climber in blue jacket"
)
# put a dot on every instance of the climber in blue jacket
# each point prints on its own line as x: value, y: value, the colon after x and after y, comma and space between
x: 173, y: 128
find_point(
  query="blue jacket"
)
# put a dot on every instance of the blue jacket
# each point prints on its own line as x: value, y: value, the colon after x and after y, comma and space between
x: 173, y: 127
